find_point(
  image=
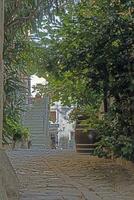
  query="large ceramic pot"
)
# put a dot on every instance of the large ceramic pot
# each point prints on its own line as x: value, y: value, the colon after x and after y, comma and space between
x: 85, y: 140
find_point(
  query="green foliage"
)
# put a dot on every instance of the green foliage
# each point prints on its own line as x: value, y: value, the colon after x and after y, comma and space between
x: 86, y: 55
x: 110, y: 147
x: 14, y: 130
x: 94, y: 46
x: 105, y: 147
x: 89, y: 52
x: 114, y: 140
x: 125, y: 147
x: 22, y: 56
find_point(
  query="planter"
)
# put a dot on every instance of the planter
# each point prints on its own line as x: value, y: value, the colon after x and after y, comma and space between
x: 85, y: 140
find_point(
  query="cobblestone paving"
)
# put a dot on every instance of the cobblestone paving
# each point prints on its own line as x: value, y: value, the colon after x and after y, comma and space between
x: 56, y: 175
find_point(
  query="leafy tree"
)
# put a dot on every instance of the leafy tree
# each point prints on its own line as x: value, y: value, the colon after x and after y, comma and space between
x: 93, y: 42
x: 22, y: 21
x: 86, y: 54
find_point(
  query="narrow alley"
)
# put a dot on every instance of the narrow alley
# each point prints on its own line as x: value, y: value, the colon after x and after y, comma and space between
x: 58, y: 175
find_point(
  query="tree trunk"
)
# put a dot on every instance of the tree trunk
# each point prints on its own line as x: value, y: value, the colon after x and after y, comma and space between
x: 1, y: 66
x: 105, y: 100
x: 106, y: 90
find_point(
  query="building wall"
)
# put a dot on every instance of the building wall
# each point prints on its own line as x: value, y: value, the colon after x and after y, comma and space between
x: 65, y: 127
x: 52, y: 116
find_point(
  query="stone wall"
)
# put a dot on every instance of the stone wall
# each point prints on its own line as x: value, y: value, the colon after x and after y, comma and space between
x: 8, y: 180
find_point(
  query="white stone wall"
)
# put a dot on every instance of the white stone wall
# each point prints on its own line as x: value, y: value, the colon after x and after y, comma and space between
x: 65, y: 127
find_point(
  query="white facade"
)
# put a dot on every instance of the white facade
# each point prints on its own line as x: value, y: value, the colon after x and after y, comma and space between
x: 65, y: 127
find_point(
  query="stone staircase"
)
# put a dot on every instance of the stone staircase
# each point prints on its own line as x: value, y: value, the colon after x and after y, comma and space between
x: 36, y: 119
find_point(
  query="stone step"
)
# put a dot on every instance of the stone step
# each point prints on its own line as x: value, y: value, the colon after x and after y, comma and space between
x: 34, y: 140
x: 34, y: 124
x: 36, y: 119
x: 40, y: 139
x: 37, y: 132
x: 38, y: 146
x: 38, y: 143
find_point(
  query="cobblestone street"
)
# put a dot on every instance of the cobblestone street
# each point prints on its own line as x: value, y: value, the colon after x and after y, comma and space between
x: 58, y: 175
